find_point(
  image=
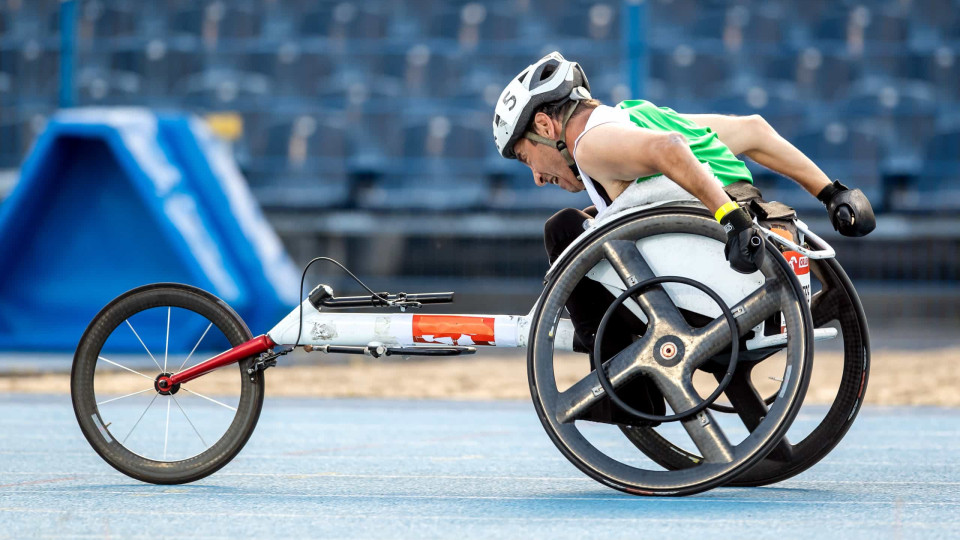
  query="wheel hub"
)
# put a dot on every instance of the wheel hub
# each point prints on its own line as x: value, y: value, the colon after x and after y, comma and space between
x: 668, y: 351
x: 163, y: 386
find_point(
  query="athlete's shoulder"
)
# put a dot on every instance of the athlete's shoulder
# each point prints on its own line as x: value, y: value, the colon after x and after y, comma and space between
x: 642, y: 105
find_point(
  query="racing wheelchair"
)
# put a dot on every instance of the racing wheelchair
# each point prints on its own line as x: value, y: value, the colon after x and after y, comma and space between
x: 706, y: 330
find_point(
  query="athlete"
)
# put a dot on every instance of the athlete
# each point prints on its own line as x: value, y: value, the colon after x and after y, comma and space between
x: 547, y: 119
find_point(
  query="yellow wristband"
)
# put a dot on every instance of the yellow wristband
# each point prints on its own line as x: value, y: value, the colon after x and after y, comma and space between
x: 726, y: 209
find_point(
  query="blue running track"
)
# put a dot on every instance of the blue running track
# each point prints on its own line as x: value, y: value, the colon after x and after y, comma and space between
x: 386, y: 469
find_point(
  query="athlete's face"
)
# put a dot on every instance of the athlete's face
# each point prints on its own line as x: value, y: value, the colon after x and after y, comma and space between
x: 546, y: 162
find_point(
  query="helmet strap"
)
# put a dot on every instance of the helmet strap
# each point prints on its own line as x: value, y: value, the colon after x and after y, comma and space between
x: 560, y: 145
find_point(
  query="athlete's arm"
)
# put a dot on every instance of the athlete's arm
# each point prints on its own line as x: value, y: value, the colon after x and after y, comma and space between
x: 753, y: 137
x: 622, y: 153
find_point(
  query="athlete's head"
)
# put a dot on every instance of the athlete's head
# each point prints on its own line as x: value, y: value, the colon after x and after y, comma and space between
x: 531, y: 117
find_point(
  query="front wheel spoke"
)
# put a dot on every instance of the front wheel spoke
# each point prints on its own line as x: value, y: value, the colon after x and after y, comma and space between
x: 702, y: 428
x: 749, y: 312
x: 166, y: 431
x: 573, y: 402
x: 187, y: 359
x: 198, y: 394
x: 166, y: 343
x: 125, y: 367
x: 137, y: 423
x: 144, y: 344
x: 205, y: 445
x: 126, y: 396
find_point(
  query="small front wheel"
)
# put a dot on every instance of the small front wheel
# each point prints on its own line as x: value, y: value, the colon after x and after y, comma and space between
x: 164, y: 435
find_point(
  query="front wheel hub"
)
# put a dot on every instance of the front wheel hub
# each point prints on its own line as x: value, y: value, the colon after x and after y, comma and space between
x: 164, y: 386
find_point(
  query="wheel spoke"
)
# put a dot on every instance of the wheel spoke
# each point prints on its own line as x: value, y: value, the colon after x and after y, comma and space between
x: 121, y: 397
x: 630, y: 265
x: 573, y: 402
x: 166, y: 432
x: 144, y: 345
x: 125, y: 367
x: 751, y: 311
x: 139, y: 419
x: 166, y: 343
x: 744, y: 397
x: 702, y: 428
x: 205, y: 445
x: 198, y: 394
x: 187, y: 359
x: 825, y: 307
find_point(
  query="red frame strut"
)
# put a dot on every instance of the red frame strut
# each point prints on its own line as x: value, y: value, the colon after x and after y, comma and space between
x: 255, y: 346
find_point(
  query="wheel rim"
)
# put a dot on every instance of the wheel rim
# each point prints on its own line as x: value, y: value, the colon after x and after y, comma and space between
x: 558, y: 410
x: 158, y: 424
x: 836, y: 303
x: 184, y: 448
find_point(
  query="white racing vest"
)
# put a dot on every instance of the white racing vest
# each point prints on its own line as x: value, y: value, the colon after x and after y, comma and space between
x: 656, y: 189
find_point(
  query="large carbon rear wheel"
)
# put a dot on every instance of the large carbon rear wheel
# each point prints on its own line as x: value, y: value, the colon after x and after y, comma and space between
x: 164, y: 436
x: 836, y: 305
x: 564, y: 413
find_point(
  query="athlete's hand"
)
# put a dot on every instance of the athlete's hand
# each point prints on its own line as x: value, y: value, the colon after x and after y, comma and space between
x: 744, y: 249
x: 850, y: 211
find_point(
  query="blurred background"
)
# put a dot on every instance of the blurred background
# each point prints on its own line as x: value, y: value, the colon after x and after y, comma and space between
x: 363, y: 127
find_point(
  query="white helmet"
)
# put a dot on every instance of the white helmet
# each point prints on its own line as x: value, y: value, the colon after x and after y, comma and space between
x: 552, y: 78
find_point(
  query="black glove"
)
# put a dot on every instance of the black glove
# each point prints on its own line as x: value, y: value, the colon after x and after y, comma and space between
x: 744, y: 249
x: 849, y: 210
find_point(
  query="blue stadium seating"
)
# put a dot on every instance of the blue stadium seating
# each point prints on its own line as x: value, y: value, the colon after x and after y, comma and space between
x: 937, y: 188
x: 304, y: 164
x: 386, y: 67
x: 783, y: 111
x: 846, y: 153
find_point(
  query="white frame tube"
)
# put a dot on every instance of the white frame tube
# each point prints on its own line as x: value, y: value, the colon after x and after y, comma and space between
x: 410, y: 329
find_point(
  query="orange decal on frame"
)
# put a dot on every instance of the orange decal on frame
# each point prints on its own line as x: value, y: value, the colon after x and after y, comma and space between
x: 449, y: 329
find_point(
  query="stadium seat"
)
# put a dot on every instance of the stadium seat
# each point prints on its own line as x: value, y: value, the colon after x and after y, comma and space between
x: 280, y: 22
x: 302, y: 162
x: 833, y: 29
x: 35, y: 71
x: 344, y: 20
x: 764, y: 26
x: 824, y: 75
x: 937, y: 188
x: 688, y: 73
x: 441, y: 168
x: 292, y: 70
x: 903, y: 114
x: 787, y: 115
x: 238, y: 19
x: 188, y: 20
x: 115, y: 19
x: 888, y: 26
x: 598, y: 21
x: 11, y: 145
x: 165, y: 66
x: 711, y: 25
x: 374, y: 21
x: 848, y: 154
x: 942, y: 14
x: 940, y: 67
x: 679, y: 13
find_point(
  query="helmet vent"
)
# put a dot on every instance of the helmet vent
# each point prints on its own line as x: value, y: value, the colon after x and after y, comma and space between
x: 548, y: 70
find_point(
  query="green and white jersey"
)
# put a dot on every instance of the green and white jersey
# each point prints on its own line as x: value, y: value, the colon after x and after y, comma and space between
x: 704, y: 143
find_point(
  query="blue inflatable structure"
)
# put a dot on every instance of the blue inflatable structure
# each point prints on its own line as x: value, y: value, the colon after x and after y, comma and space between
x: 110, y: 199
